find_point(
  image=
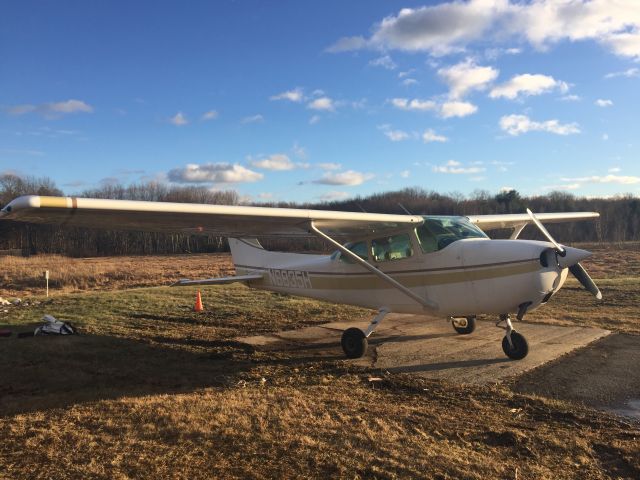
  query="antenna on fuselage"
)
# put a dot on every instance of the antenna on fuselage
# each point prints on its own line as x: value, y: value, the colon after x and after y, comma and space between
x: 405, y: 210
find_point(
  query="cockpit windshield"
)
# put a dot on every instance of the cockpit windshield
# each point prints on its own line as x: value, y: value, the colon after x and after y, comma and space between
x: 438, y: 232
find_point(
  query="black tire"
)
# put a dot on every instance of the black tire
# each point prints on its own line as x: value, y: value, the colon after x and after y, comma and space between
x: 354, y: 343
x: 520, y: 346
x: 466, y: 330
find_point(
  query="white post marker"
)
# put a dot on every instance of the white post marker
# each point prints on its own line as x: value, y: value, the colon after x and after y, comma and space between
x: 46, y: 277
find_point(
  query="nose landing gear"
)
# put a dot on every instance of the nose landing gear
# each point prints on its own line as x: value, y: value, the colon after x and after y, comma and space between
x: 514, y: 345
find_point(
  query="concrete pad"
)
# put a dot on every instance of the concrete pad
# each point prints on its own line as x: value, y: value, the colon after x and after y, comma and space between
x: 429, y: 346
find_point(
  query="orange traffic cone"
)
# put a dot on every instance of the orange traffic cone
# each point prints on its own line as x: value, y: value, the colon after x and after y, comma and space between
x: 198, y: 307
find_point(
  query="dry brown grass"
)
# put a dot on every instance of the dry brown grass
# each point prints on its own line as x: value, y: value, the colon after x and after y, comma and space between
x: 152, y: 389
x: 20, y: 276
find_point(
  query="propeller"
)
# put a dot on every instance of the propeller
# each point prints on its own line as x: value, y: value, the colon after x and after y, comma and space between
x: 570, y: 258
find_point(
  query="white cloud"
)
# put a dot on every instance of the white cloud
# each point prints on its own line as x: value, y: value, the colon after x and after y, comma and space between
x: 603, y: 103
x: 452, y: 26
x: 570, y: 98
x: 518, y: 124
x: 295, y: 95
x: 605, y: 136
x: 179, y: 119
x: 457, y: 109
x: 314, y: 119
x: 465, y: 77
x: 629, y: 73
x: 350, y: 178
x: 213, y: 173
x: 621, y: 180
x: 385, y: 61
x: 333, y: 195
x: 394, y: 135
x: 527, y: 85
x: 494, y: 53
x: 210, y: 115
x: 253, y: 119
x: 277, y: 161
x: 346, y: 44
x: 407, y: 82
x: 415, y: 104
x: 430, y: 136
x: 329, y: 166
x: 405, y: 174
x: 52, y: 109
x: 445, y: 110
x: 563, y: 186
x: 456, y: 168
x: 406, y: 73
x: 323, y: 104
x: 614, y: 170
x: 69, y: 106
x: 299, y: 151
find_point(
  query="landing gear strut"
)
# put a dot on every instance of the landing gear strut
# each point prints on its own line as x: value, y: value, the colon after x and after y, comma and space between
x: 354, y: 341
x: 514, y: 345
x: 465, y: 325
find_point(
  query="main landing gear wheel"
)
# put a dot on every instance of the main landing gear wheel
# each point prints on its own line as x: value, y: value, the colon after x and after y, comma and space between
x: 518, y: 348
x: 464, y: 326
x: 354, y: 342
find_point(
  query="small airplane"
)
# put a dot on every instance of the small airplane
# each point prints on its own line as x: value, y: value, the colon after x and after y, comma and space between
x: 442, y: 265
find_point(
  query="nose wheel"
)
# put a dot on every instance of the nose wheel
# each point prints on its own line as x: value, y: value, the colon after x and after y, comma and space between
x: 514, y: 345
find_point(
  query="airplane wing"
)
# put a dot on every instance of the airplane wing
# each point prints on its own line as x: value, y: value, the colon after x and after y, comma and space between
x: 218, y: 281
x: 491, y: 222
x: 223, y: 220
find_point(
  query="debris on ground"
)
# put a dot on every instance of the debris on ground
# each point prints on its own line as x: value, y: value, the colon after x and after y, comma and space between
x: 4, y: 301
x: 53, y: 326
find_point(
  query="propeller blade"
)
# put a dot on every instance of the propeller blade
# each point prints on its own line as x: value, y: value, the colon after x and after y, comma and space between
x: 583, y: 277
x: 546, y: 233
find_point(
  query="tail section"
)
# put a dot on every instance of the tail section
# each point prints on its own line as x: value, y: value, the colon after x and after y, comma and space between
x: 247, y: 253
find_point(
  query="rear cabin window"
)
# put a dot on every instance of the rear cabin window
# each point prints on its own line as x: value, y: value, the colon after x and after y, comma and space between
x: 395, y: 247
x: 437, y: 233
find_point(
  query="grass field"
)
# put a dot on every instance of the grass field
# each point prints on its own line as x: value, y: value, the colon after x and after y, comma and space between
x: 152, y: 389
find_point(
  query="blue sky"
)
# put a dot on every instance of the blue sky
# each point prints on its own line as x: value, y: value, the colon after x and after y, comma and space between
x: 307, y: 101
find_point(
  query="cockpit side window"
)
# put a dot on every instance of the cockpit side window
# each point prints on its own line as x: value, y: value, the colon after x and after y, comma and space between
x: 395, y: 247
x: 427, y: 240
x: 359, y: 248
x: 437, y: 233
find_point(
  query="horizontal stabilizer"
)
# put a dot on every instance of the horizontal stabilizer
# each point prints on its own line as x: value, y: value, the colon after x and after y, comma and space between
x: 217, y: 281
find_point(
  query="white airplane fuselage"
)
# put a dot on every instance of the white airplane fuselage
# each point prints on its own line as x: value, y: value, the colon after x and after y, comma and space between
x: 467, y: 277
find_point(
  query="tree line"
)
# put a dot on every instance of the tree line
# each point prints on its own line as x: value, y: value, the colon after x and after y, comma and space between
x: 619, y: 217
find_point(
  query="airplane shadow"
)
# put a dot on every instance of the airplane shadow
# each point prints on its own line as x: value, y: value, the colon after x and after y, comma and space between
x: 57, y: 371
x: 434, y: 367
x: 44, y: 372
x: 299, y: 345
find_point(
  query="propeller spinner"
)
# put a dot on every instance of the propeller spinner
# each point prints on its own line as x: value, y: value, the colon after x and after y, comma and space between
x: 570, y: 258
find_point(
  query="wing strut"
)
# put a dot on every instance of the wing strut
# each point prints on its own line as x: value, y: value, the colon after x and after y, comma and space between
x: 426, y: 304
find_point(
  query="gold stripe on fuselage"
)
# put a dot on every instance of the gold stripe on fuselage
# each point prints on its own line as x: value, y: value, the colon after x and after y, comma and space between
x: 330, y: 281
